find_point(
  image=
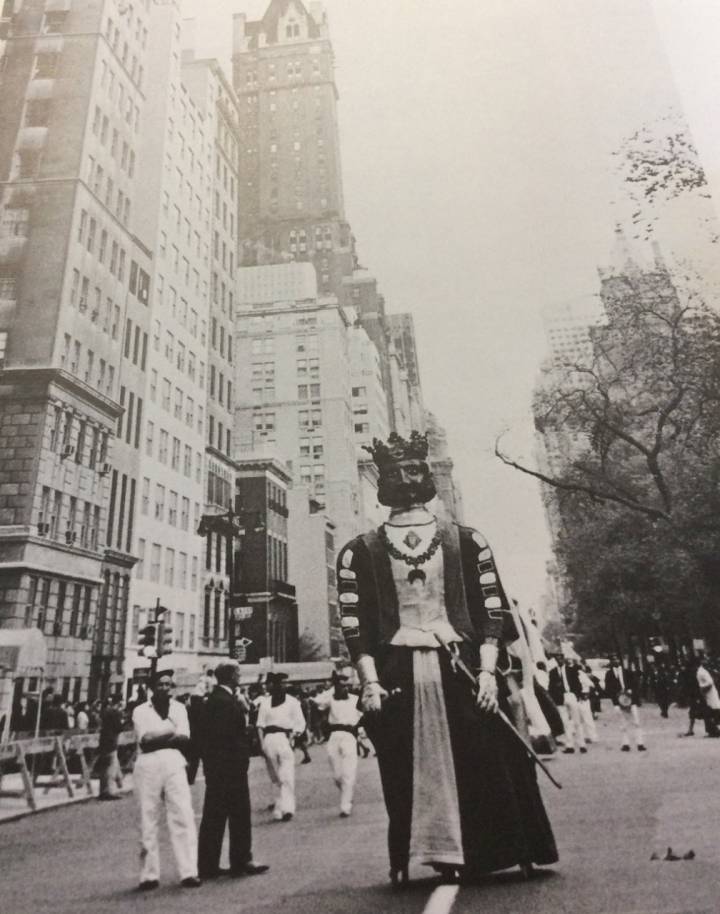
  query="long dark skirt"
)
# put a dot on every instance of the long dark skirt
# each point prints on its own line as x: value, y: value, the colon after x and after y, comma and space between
x: 502, y: 817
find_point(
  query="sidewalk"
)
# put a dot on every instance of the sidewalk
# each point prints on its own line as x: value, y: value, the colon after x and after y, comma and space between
x: 14, y: 808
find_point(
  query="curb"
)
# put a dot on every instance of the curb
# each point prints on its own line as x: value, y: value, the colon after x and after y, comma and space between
x: 16, y: 816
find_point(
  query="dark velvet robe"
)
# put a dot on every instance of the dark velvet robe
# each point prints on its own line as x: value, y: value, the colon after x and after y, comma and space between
x: 503, y: 820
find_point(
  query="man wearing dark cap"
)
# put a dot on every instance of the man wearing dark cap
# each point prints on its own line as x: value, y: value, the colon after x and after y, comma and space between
x: 280, y: 719
x: 416, y: 596
x: 225, y: 752
x: 163, y: 734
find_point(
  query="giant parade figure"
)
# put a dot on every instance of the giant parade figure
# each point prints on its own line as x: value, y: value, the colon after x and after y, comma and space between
x: 420, y: 596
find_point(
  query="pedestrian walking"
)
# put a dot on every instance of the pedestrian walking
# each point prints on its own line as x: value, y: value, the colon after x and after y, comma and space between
x: 279, y: 720
x: 589, y: 730
x: 342, y: 746
x: 416, y: 596
x: 622, y: 687
x: 710, y: 696
x: 111, y: 726
x: 225, y: 751
x: 160, y: 779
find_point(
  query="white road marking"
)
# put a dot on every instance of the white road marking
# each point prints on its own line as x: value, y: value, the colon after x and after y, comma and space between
x: 441, y: 900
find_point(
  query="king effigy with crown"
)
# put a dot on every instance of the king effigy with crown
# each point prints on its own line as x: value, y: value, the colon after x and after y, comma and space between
x: 415, y: 595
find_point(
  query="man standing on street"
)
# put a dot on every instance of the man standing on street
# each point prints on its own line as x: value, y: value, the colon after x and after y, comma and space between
x: 163, y: 734
x: 622, y: 687
x: 225, y: 751
x: 111, y: 725
x: 709, y: 692
x: 279, y: 719
x: 342, y: 749
x: 565, y: 690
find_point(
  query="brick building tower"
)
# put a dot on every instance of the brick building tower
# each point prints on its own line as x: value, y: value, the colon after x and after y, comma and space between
x: 291, y: 196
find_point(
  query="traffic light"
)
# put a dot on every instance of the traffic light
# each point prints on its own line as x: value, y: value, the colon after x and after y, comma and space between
x: 165, y: 639
x: 148, y: 642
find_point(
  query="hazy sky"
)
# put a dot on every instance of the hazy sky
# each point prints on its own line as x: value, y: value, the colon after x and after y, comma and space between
x: 476, y: 142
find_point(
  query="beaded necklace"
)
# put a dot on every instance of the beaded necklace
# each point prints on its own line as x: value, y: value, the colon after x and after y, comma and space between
x: 413, y: 560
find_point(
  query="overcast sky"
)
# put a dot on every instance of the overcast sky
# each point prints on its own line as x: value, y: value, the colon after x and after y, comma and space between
x: 476, y: 141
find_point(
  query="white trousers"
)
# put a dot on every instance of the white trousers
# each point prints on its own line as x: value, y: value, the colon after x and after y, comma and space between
x: 342, y: 752
x: 159, y: 777
x: 628, y: 719
x: 572, y: 721
x: 588, y: 721
x: 280, y: 760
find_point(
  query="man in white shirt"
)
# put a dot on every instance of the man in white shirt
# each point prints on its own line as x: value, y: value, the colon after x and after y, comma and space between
x: 162, y: 730
x: 709, y: 692
x: 343, y: 718
x: 279, y: 719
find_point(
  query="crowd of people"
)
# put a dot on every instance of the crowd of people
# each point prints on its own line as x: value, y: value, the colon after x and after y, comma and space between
x: 456, y: 695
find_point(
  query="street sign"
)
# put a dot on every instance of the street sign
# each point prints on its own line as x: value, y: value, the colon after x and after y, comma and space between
x: 141, y: 674
x: 242, y: 613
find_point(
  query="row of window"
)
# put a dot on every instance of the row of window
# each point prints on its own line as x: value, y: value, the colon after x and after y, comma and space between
x: 220, y: 388
x: 187, y: 317
x: 173, y: 571
x: 108, y: 252
x: 129, y: 421
x: 68, y: 518
x: 219, y: 436
x: 177, y: 456
x: 220, y: 339
x: 100, y: 375
x: 176, y: 408
x: 88, y: 447
x: 121, y: 512
x: 60, y: 608
x: 168, y: 506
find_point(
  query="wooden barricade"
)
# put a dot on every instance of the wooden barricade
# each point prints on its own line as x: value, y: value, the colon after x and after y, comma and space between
x: 21, y: 756
x: 23, y: 750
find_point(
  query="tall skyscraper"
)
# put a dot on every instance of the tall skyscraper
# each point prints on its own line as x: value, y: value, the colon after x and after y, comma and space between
x: 291, y: 196
x: 72, y: 82
x: 293, y: 383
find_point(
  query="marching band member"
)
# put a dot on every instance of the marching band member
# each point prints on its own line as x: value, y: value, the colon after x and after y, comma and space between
x: 342, y: 750
x: 280, y: 719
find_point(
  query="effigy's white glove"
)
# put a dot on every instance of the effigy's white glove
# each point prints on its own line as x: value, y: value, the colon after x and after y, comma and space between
x: 372, y: 694
x: 487, y: 692
x: 372, y: 697
x: 487, y: 683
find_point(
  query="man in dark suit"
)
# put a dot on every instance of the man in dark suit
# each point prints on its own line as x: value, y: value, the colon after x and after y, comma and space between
x: 565, y: 690
x: 225, y: 751
x: 622, y: 687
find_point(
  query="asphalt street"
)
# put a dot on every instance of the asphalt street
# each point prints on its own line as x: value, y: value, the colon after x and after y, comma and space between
x: 615, y: 810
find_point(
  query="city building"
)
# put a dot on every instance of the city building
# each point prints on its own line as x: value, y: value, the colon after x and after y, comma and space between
x: 313, y: 547
x: 442, y: 467
x: 401, y: 329
x: 293, y: 385
x: 72, y: 271
x: 369, y: 400
x: 267, y: 610
x: 291, y: 195
x: 175, y: 171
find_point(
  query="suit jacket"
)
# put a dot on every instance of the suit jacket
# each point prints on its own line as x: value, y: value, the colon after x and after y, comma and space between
x: 632, y: 684
x: 223, y: 738
x: 557, y: 688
